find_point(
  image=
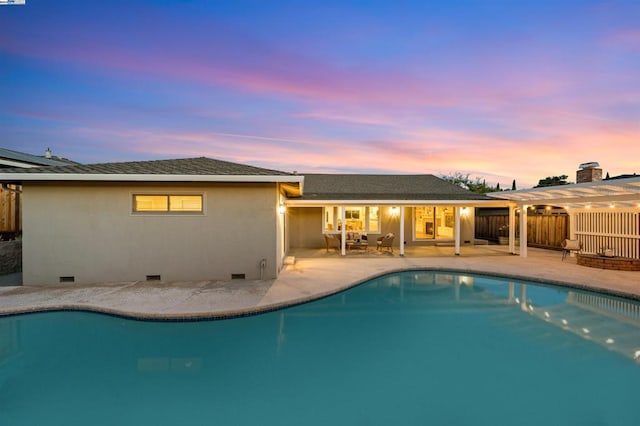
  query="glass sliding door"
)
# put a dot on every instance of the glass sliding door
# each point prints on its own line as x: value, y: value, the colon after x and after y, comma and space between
x: 424, y: 223
x: 432, y: 223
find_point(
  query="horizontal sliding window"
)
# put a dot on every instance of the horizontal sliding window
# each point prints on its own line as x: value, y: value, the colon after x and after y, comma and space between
x: 167, y: 203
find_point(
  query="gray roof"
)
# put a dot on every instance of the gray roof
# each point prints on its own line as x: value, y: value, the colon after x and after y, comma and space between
x: 36, y: 160
x: 184, y: 166
x: 318, y: 187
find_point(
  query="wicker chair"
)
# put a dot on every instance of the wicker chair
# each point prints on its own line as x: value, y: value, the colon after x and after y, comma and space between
x: 332, y: 242
x: 385, y: 241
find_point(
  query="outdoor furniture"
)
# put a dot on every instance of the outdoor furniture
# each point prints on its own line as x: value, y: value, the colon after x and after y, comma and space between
x: 385, y: 241
x: 332, y: 242
x: 570, y: 245
x: 358, y: 245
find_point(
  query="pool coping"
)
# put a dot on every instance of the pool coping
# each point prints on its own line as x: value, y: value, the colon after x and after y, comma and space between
x: 221, y: 313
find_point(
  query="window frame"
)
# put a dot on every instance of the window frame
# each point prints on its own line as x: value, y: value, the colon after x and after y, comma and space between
x: 366, y: 209
x: 168, y: 212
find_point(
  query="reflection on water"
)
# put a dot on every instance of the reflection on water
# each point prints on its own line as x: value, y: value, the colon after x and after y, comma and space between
x: 410, y: 348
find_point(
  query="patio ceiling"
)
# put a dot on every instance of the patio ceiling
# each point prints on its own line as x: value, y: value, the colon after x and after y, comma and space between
x: 606, y: 193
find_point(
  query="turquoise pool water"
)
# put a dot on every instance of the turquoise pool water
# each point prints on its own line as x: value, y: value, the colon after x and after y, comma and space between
x: 413, y: 348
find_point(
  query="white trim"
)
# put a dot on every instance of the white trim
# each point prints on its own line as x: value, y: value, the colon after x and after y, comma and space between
x: 409, y: 203
x: 456, y: 231
x: 401, y: 242
x: 343, y: 231
x: 621, y: 192
x: 78, y: 177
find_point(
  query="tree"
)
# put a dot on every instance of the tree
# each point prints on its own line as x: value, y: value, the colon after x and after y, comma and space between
x: 607, y: 177
x: 513, y: 185
x: 478, y: 185
x: 552, y: 181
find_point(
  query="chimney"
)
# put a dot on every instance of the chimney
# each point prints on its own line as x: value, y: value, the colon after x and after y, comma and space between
x: 47, y: 153
x: 589, y: 172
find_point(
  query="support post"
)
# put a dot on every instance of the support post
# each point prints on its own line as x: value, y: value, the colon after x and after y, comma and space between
x: 523, y: 230
x: 343, y: 240
x: 572, y: 229
x: 456, y: 232
x: 401, y: 236
x: 512, y: 229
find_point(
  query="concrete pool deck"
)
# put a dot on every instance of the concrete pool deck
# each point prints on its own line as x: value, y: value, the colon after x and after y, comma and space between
x: 315, y: 274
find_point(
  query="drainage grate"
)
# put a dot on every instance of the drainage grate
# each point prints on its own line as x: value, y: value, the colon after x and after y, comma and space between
x: 154, y: 278
x: 237, y: 276
x: 67, y: 279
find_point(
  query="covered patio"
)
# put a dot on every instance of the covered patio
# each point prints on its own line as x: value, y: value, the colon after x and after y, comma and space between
x: 413, y: 210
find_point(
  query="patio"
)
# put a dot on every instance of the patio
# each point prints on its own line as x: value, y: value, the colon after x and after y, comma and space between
x: 314, y: 274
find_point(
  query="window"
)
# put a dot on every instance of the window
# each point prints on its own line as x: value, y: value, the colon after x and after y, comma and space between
x: 167, y: 203
x: 357, y: 218
x: 374, y: 219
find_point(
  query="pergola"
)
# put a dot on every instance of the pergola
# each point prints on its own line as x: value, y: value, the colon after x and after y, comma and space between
x: 607, y: 196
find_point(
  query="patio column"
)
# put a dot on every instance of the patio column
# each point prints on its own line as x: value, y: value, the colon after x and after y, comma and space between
x: 512, y: 229
x: 523, y: 230
x: 401, y: 231
x: 456, y: 231
x: 343, y: 230
x: 572, y: 229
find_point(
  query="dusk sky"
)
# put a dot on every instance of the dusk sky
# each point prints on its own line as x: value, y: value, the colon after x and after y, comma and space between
x: 498, y: 89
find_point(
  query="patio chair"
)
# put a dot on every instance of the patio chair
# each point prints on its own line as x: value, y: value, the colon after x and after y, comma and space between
x: 332, y: 242
x: 385, y: 241
x: 570, y: 245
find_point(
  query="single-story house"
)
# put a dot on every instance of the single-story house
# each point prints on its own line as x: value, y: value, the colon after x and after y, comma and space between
x: 10, y: 158
x: 185, y: 219
x: 200, y: 218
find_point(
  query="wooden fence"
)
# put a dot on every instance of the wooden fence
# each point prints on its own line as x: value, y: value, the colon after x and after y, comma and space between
x: 544, y: 230
x: 10, y: 203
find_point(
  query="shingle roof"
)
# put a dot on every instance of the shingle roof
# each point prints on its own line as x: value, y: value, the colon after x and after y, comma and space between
x: 33, y: 159
x: 184, y: 166
x: 318, y: 187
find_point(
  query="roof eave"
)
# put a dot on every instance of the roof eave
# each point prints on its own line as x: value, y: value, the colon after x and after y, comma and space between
x: 81, y: 177
x: 391, y: 202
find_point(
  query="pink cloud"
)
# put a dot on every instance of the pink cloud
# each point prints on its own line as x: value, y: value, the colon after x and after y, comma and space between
x: 278, y: 72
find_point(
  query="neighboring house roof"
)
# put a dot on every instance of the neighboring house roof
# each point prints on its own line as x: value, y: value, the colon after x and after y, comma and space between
x: 381, y: 188
x: 9, y: 158
x: 622, y: 176
x: 200, y: 169
x: 624, y: 192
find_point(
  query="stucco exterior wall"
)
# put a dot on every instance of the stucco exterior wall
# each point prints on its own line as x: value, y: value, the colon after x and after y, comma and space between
x: 305, y: 227
x: 89, y: 232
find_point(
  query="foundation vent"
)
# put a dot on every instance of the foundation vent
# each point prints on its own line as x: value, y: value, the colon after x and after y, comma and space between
x: 154, y: 278
x: 69, y: 279
x: 237, y: 276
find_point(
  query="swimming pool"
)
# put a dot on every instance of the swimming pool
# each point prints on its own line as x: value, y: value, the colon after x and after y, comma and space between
x: 411, y: 348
